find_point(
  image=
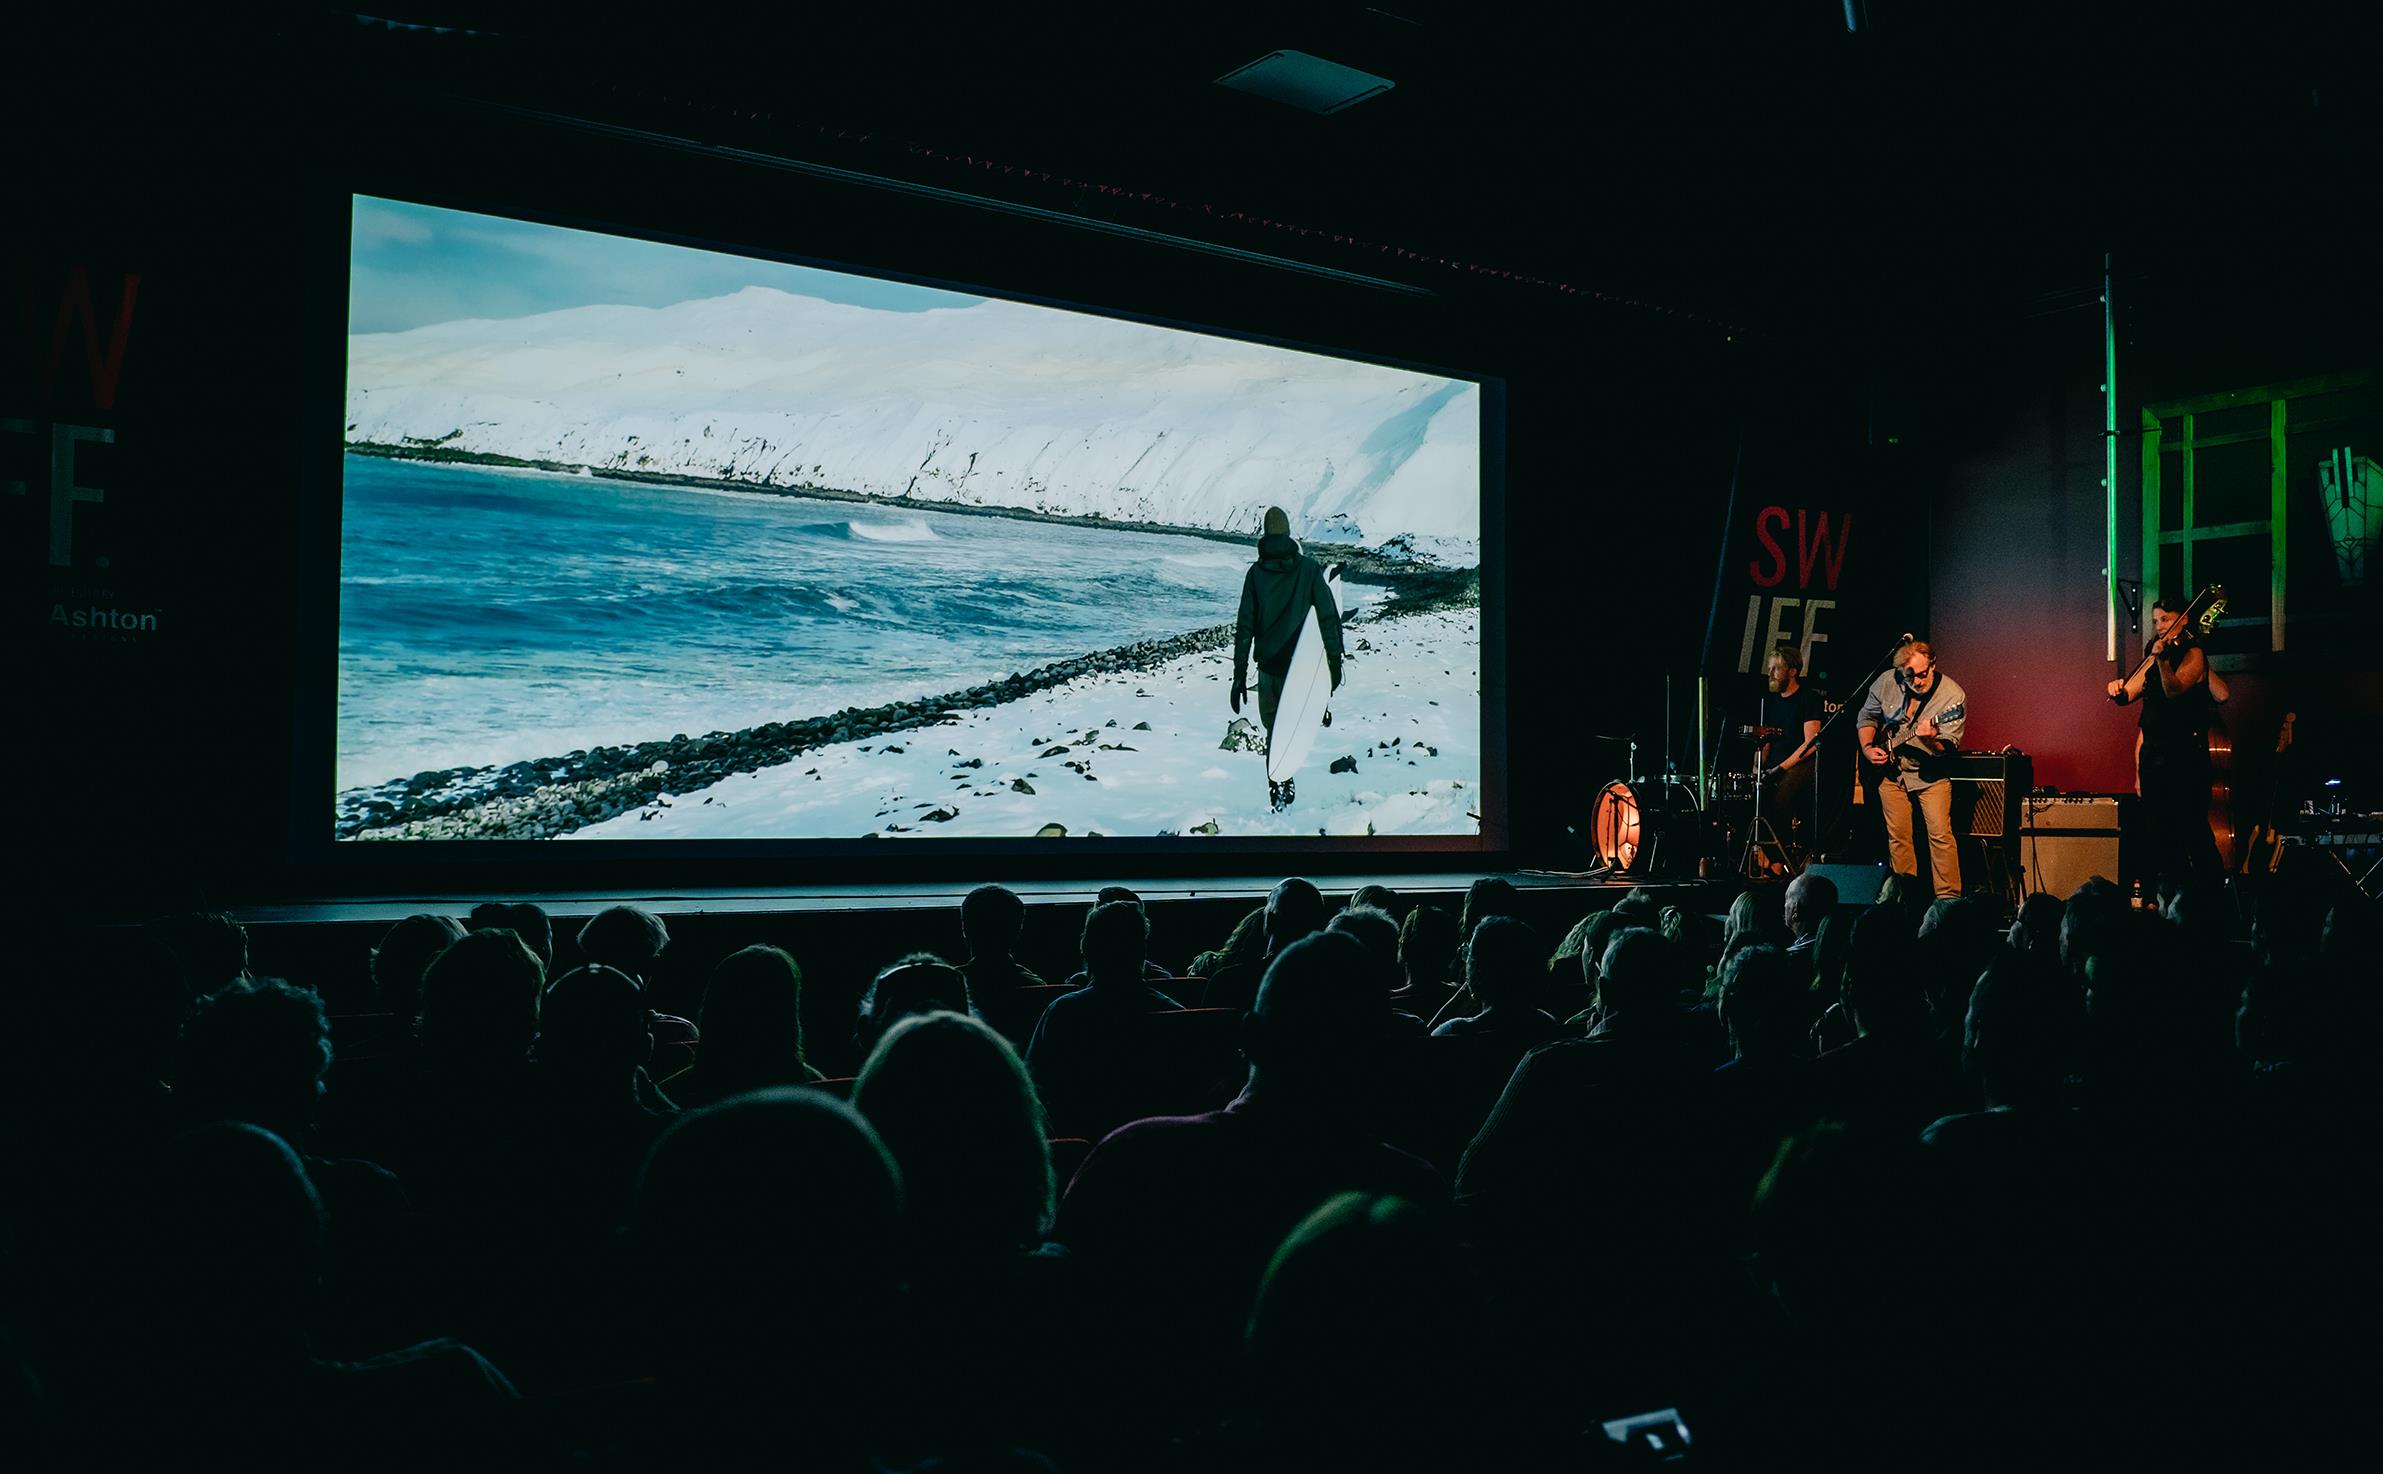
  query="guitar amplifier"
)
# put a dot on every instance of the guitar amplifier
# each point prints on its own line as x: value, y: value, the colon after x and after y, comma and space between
x: 2068, y: 840
x: 1986, y: 791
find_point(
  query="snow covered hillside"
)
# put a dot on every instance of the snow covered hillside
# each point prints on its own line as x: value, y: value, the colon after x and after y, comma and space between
x: 995, y: 404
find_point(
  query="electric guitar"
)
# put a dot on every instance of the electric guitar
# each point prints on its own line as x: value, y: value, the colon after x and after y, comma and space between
x: 1923, y: 751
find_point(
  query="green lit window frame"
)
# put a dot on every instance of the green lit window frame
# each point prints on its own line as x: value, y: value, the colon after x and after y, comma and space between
x: 2184, y: 412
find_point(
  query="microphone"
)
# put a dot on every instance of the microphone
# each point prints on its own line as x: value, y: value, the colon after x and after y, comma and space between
x: 1907, y: 638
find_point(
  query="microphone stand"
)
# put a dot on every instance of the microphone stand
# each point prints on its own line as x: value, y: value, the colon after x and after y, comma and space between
x: 1852, y: 704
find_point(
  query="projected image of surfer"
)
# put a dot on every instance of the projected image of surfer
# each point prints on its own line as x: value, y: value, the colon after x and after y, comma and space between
x: 1290, y: 619
x: 645, y: 542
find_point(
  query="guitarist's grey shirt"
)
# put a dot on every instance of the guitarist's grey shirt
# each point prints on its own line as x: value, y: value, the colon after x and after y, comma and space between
x: 1887, y: 699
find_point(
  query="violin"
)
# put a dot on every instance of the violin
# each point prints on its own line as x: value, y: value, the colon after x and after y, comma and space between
x: 2200, y: 617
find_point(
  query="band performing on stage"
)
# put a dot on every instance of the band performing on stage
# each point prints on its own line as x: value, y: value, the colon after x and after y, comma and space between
x: 1897, y: 753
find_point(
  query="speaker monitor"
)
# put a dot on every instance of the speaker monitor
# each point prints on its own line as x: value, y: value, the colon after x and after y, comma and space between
x: 1857, y: 885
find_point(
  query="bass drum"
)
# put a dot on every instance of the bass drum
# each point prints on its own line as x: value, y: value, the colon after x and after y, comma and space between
x: 1644, y: 828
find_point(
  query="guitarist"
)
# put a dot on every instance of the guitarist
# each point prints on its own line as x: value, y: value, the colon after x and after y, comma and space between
x: 2180, y: 696
x: 1912, y: 714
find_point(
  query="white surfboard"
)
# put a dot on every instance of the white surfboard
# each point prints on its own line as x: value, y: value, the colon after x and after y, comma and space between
x: 1307, y: 692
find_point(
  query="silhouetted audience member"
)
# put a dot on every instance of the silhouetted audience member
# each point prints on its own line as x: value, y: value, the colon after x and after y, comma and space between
x: 1847, y: 1235
x: 1382, y: 898
x: 404, y: 954
x: 1756, y: 919
x: 752, y: 1021
x: 774, y: 1220
x: 2091, y: 922
x: 992, y: 918
x: 217, y: 1280
x: 1294, y: 910
x: 951, y: 1101
x: 450, y: 1122
x: 1585, y: 944
x: 594, y: 1034
x: 1504, y: 967
x: 256, y: 1052
x: 1897, y: 1074
x: 1764, y: 1091
x: 1379, y: 933
x: 627, y: 939
x: 1427, y: 948
x: 920, y: 982
x: 524, y: 919
x: 1151, y: 971
x: 1811, y: 898
x: 1172, y: 1220
x: 1642, y: 1056
x: 209, y: 948
x: 1765, y: 1010
x: 1587, y: 1188
x: 1082, y: 1054
x: 1956, y: 941
x: 1334, y: 1354
x: 479, y: 1005
x: 1245, y: 943
x: 2035, y: 929
x: 1903, y: 898
x: 1491, y: 895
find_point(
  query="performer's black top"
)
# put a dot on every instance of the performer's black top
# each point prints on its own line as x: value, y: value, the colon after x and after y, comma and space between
x: 1788, y: 714
x: 2176, y: 728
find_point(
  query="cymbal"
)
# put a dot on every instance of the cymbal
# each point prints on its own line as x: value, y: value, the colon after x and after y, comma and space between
x: 1760, y: 734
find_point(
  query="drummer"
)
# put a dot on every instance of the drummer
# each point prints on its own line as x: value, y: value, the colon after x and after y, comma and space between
x: 1788, y: 761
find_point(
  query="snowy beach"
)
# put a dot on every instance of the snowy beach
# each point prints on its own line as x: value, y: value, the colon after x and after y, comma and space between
x: 1135, y: 753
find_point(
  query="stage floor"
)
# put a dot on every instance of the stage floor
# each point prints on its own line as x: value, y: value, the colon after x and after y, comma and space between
x: 922, y: 895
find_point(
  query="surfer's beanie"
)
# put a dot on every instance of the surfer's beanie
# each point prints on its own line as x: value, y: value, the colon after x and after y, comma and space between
x: 1277, y: 524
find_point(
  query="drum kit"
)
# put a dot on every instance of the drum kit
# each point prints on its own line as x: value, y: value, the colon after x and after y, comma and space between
x: 1656, y: 827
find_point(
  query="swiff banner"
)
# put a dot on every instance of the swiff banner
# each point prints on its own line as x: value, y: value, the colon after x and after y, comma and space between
x: 1817, y: 554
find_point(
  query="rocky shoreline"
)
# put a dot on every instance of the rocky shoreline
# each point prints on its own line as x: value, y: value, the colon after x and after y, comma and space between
x: 1387, y: 563
x: 548, y: 798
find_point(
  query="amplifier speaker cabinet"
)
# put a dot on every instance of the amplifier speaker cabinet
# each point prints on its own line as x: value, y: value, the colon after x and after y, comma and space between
x: 1987, y: 793
x: 2067, y: 840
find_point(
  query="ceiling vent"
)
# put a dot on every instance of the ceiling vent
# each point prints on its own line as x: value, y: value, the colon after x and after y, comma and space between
x: 1306, y: 82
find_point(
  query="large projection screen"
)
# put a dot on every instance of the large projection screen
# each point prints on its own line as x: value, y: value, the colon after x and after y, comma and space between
x: 642, y: 542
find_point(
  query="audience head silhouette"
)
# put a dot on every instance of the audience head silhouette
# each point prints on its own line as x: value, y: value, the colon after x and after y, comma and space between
x: 1116, y: 937
x: 480, y: 1001
x: 752, y: 1020
x: 405, y: 954
x: 625, y: 939
x: 991, y: 920
x: 256, y: 1052
x: 594, y: 1026
x: 522, y: 918
x: 1294, y: 909
x: 1504, y: 964
x: 951, y: 1101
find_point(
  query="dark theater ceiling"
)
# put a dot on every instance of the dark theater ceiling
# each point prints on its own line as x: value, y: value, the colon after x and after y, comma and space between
x: 1722, y: 158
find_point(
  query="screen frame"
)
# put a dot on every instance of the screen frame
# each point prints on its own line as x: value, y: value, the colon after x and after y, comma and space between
x: 348, y: 864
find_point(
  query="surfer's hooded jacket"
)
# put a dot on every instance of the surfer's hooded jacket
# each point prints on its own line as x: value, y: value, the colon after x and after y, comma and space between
x: 1275, y: 596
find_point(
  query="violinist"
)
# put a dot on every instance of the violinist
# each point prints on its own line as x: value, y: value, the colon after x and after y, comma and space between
x: 2180, y: 695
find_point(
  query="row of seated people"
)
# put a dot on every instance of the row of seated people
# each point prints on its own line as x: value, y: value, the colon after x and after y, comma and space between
x: 1859, y: 1185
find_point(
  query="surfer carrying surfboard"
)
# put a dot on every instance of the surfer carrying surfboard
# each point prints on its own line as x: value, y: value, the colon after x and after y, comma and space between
x: 1284, y: 596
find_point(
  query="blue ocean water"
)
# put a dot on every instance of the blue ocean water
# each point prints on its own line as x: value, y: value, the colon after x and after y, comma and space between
x: 490, y: 615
